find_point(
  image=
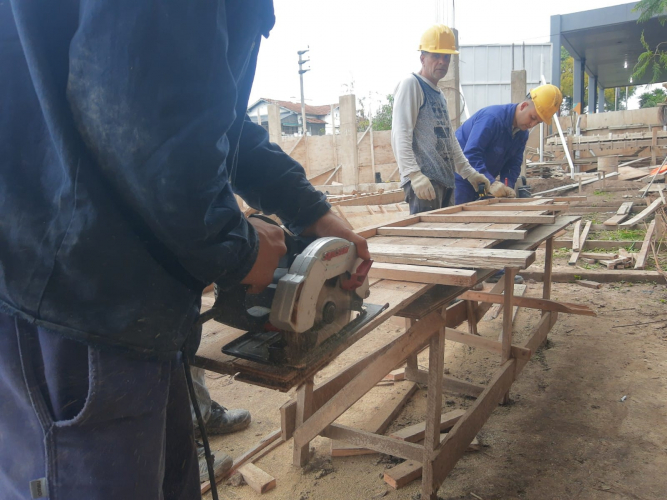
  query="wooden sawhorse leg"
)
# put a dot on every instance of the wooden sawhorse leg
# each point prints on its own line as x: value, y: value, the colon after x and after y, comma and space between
x: 304, y: 408
x: 510, y: 272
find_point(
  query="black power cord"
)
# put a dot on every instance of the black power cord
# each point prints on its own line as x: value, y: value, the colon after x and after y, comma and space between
x: 200, y: 423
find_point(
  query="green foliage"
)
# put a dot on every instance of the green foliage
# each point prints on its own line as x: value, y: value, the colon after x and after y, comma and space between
x: 653, y: 59
x: 382, y: 119
x: 652, y: 99
x: 567, y: 86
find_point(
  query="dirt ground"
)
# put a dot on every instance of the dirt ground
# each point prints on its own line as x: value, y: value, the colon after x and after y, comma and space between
x: 569, y: 432
x: 587, y: 418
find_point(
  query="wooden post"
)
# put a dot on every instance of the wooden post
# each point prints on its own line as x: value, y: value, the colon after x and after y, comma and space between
x: 304, y: 408
x: 333, y: 138
x: 510, y: 272
x: 411, y: 367
x: 436, y: 363
x: 349, y: 155
x: 548, y: 266
x: 654, y: 145
x: 580, y: 184
x: 275, y: 127
x: 472, y: 319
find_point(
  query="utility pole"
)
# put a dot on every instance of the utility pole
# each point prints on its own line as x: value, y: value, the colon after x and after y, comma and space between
x: 304, y: 126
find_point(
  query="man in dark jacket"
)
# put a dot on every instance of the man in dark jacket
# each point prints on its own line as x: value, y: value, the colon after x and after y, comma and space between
x: 123, y: 139
x: 494, y: 138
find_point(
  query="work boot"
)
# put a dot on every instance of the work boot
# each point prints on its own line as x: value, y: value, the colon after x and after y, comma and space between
x: 221, y: 464
x: 224, y: 421
x: 518, y: 280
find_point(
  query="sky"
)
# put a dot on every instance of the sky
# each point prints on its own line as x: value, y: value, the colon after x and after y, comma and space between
x: 370, y: 45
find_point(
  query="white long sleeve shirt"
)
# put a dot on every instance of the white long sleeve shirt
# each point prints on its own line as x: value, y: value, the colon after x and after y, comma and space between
x: 408, y: 99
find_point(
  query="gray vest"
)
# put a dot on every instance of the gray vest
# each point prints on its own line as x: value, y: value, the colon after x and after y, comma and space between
x: 432, y: 137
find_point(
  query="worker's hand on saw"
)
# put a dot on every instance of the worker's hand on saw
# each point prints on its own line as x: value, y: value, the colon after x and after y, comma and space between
x: 332, y: 225
x: 499, y: 190
x: 476, y: 179
x: 422, y: 186
x: 271, y: 249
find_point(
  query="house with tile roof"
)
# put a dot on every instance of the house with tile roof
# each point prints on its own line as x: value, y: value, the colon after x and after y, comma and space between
x: 318, y: 118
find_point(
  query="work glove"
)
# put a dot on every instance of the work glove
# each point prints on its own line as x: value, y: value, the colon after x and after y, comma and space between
x: 422, y: 186
x: 476, y: 179
x: 499, y: 190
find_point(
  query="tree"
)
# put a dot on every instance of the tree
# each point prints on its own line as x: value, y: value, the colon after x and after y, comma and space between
x: 567, y: 87
x: 382, y: 119
x: 654, y: 59
x: 652, y: 99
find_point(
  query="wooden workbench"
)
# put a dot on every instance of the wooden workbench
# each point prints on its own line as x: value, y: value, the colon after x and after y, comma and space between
x: 422, y: 263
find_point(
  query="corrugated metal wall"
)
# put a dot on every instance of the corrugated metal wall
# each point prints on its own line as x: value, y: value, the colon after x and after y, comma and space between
x: 486, y: 71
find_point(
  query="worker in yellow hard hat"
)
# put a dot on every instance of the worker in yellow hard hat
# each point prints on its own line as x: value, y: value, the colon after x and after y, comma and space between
x: 494, y: 138
x: 422, y: 137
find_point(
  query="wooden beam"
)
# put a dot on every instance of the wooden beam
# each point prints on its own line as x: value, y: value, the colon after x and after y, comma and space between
x: 245, y: 457
x: 645, y: 213
x: 415, y: 338
x: 605, y: 276
x: 531, y: 303
x: 498, y: 207
x: 494, y: 218
x: 257, y: 479
x: 364, y: 439
x: 450, y: 256
x: 643, y: 253
x: 450, y: 384
x: 463, y: 232
x: 573, y: 186
x: 415, y: 433
x: 576, y: 236
x: 304, y: 409
x: 424, y: 274
x: 584, y: 235
x: 484, y: 343
x: 380, y: 419
x: 622, y: 213
x: 468, y: 426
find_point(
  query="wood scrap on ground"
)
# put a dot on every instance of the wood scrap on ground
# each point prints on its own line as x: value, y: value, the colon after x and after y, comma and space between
x: 622, y: 213
x: 582, y: 240
x: 643, y: 253
x: 588, y: 283
x: 257, y: 479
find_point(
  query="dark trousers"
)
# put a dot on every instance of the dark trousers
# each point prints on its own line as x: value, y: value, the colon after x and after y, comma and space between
x: 443, y: 198
x: 94, y: 424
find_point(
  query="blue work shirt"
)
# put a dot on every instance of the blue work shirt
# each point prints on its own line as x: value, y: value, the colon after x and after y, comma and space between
x: 487, y: 141
x: 124, y: 139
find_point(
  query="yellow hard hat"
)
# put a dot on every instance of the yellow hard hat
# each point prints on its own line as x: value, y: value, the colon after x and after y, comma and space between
x: 438, y: 39
x: 547, y: 99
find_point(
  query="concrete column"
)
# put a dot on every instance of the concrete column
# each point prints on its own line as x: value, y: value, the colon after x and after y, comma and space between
x: 592, y: 93
x: 578, y: 91
x: 275, y: 126
x: 600, y: 99
x: 556, y: 43
x: 450, y: 86
x: 349, y: 156
x: 518, y: 86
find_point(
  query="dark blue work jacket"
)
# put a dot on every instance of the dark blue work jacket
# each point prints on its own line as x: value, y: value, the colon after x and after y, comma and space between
x: 486, y: 140
x: 123, y: 135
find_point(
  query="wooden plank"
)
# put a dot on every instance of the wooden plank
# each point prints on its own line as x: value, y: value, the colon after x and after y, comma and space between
x: 644, y: 213
x: 603, y: 276
x: 588, y: 284
x: 415, y: 338
x: 643, y: 253
x: 496, y: 309
x: 484, y: 343
x: 576, y: 236
x: 598, y: 256
x: 465, y: 430
x: 501, y: 207
x: 450, y: 256
x: 244, y: 458
x: 408, y: 471
x: 415, y: 433
x: 493, y: 217
x: 380, y: 420
x: 573, y: 186
x: 257, y: 479
x: 364, y: 439
x: 622, y: 213
x: 423, y: 274
x: 450, y: 384
x: 304, y: 409
x: 584, y: 235
x: 531, y: 303
x: 462, y: 232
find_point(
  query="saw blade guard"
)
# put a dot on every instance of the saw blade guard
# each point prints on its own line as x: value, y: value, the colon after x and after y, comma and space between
x: 298, y: 293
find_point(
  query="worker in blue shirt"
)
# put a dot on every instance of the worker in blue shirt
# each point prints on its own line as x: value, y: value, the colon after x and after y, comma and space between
x: 124, y: 140
x: 493, y: 140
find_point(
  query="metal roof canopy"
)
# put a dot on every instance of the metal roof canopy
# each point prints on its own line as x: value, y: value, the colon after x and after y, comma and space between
x: 606, y: 39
